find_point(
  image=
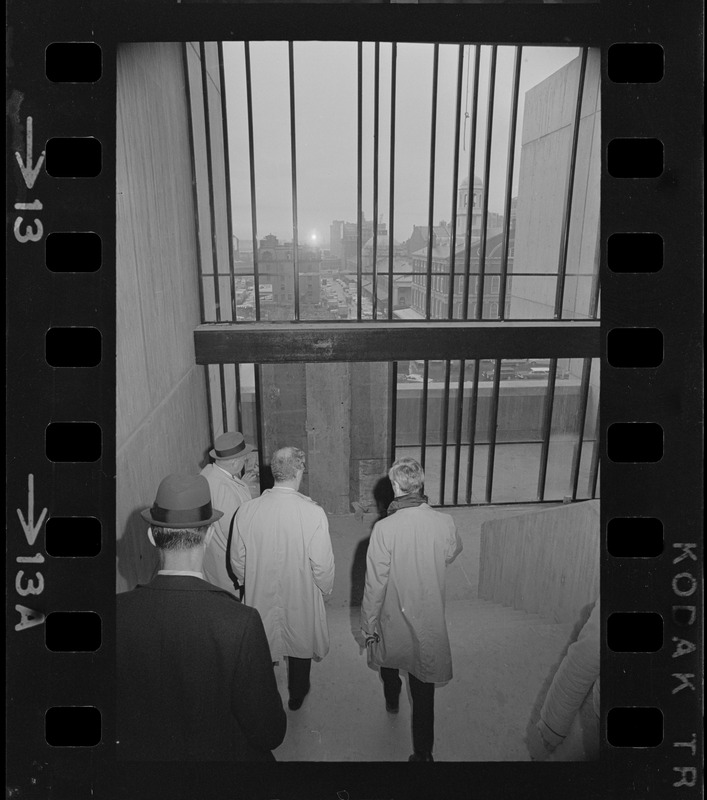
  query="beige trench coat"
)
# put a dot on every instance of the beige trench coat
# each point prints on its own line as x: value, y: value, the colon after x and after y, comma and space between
x: 227, y: 495
x: 404, y: 596
x: 282, y: 551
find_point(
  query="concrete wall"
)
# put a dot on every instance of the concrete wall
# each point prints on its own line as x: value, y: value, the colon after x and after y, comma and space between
x: 162, y: 419
x: 339, y: 415
x: 329, y: 434
x: 370, y: 430
x: 544, y: 562
x: 520, y: 412
x: 544, y: 163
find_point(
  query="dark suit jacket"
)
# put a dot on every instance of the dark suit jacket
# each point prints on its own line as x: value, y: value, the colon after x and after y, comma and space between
x: 195, y: 678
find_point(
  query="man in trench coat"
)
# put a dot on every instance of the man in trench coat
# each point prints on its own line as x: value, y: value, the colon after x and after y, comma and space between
x: 402, y: 613
x: 281, y: 550
x: 229, y: 490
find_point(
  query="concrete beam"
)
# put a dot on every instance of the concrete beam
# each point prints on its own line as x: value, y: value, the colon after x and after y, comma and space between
x: 270, y: 343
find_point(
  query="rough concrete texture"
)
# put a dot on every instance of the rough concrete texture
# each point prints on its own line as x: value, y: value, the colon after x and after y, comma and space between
x: 503, y: 662
x: 370, y: 431
x: 545, y: 562
x: 284, y: 404
x: 329, y: 435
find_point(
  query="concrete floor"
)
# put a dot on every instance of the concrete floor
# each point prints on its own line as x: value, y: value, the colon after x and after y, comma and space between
x: 503, y: 661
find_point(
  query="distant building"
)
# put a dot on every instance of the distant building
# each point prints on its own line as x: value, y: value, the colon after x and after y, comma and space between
x: 420, y: 236
x: 343, y: 240
x: 467, y: 200
x: 441, y: 271
x: 276, y: 267
x: 242, y: 246
x: 382, y: 251
x: 402, y: 277
x: 330, y: 264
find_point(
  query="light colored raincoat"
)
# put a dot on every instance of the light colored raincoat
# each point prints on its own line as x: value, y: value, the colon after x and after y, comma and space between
x: 404, y: 597
x: 227, y: 495
x: 577, y: 675
x: 282, y: 551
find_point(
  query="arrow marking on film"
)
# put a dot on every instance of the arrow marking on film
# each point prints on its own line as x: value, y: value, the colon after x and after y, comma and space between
x: 29, y: 172
x: 31, y: 530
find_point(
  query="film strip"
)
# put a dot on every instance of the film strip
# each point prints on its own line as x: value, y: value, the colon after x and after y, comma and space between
x: 61, y: 279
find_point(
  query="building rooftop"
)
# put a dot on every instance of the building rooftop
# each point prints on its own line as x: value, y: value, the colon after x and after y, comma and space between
x: 464, y: 182
x: 407, y: 313
x: 382, y: 243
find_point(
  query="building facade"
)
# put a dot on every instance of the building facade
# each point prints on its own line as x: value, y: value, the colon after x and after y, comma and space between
x: 276, y: 268
x: 442, y: 272
x: 343, y: 239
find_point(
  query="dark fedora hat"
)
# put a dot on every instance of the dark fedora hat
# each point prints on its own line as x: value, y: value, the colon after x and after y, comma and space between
x: 230, y: 445
x: 183, y: 501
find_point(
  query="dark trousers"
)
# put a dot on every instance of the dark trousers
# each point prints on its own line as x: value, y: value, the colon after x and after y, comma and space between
x: 298, y: 677
x: 423, y: 706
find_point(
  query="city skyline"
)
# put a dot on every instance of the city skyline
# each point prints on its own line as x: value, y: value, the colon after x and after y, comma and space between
x: 326, y: 132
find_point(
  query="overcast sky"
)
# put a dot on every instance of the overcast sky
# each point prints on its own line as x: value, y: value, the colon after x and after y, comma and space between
x: 326, y: 131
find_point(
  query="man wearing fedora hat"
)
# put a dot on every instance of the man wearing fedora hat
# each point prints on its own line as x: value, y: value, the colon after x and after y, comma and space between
x: 195, y: 680
x: 228, y: 492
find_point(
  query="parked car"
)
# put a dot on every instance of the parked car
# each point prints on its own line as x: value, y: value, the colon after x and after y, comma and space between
x: 508, y: 373
x: 523, y: 372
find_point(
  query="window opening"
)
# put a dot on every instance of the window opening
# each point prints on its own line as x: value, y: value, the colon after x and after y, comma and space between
x: 485, y: 262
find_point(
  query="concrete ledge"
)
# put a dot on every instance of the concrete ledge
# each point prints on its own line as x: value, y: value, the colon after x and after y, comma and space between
x: 544, y: 562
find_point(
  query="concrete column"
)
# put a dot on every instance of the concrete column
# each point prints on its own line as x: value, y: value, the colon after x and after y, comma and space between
x: 329, y: 435
x: 284, y: 411
x: 370, y: 431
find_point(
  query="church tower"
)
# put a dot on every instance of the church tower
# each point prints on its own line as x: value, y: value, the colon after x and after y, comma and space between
x: 469, y: 201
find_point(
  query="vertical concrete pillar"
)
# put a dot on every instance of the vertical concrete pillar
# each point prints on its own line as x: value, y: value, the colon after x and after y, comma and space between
x: 329, y: 435
x: 370, y: 431
x: 284, y: 409
x: 339, y: 414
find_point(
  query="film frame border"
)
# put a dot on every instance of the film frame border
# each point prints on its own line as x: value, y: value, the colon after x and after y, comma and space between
x: 669, y: 394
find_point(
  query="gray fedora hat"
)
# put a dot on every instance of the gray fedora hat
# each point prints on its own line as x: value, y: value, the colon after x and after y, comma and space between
x: 231, y: 444
x: 183, y: 501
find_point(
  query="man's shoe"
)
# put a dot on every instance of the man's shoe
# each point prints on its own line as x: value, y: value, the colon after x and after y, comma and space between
x: 392, y: 707
x: 421, y: 757
x: 294, y: 704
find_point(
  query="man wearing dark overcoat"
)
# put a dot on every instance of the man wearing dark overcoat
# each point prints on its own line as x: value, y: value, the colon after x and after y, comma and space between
x: 195, y: 680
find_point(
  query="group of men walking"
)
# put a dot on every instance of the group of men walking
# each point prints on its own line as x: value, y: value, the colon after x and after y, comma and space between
x: 241, y: 587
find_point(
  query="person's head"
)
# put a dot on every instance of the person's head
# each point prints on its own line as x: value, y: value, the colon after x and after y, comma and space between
x: 178, y: 539
x: 287, y: 465
x: 407, y: 476
x: 181, y: 517
x: 235, y: 466
x: 231, y: 452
